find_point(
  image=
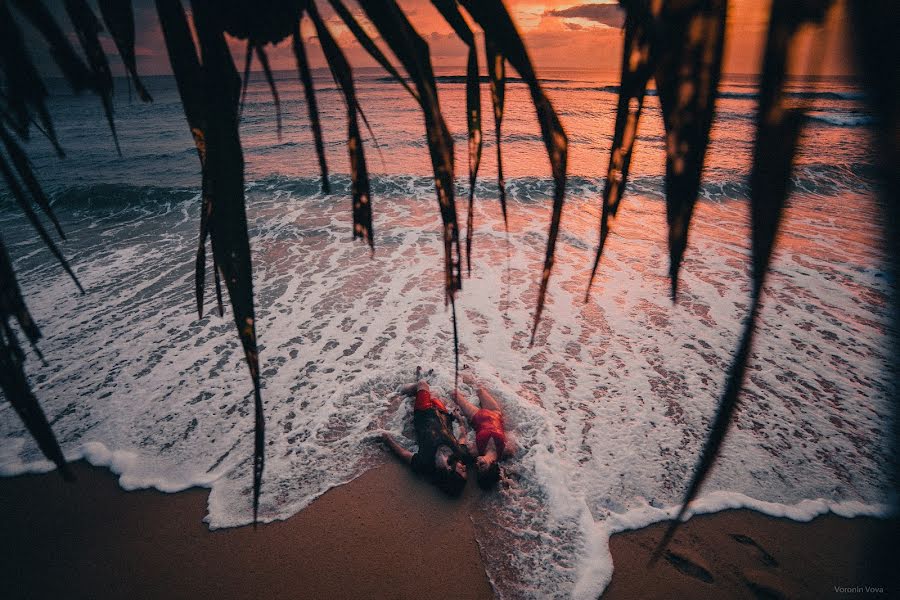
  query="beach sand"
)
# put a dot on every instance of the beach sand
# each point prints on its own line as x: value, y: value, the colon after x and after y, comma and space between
x: 745, y: 554
x: 386, y: 534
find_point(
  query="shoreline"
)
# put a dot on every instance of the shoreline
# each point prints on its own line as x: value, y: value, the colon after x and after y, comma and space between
x: 390, y: 534
x: 742, y: 553
x: 384, y: 534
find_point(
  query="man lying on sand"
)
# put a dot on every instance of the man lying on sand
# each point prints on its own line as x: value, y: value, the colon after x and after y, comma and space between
x: 491, y: 440
x: 440, y: 456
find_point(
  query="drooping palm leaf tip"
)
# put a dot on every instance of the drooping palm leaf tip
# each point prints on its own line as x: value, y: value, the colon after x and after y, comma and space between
x: 13, y: 380
x: 359, y: 175
x: 681, y: 45
x: 451, y: 14
x: 88, y: 28
x: 498, y: 26
x: 777, y: 133
x: 22, y: 105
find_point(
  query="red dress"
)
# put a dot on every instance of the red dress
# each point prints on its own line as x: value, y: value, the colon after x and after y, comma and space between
x: 488, y: 424
x: 424, y: 401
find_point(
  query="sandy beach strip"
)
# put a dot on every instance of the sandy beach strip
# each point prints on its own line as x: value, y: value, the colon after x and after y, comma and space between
x: 746, y: 554
x: 387, y: 534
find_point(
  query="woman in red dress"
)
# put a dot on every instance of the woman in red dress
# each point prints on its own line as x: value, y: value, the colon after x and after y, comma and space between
x: 491, y: 439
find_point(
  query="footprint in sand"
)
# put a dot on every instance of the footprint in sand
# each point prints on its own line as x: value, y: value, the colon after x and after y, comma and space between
x: 688, y: 567
x: 763, y: 585
x: 761, y: 591
x: 766, y: 558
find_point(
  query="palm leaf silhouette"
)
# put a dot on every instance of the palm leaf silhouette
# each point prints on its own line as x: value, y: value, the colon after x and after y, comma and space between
x: 343, y: 77
x: 678, y: 43
x: 450, y: 12
x: 777, y: 133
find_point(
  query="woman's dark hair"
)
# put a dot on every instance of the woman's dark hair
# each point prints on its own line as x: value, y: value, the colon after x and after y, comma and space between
x: 488, y: 478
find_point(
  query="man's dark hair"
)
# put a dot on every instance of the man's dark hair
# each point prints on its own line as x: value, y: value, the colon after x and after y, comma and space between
x: 451, y: 483
x: 488, y: 478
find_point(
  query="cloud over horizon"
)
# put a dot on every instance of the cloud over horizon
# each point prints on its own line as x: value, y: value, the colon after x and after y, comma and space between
x: 610, y: 15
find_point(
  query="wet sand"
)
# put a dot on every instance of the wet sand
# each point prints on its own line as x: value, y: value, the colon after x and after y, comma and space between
x: 386, y: 534
x: 745, y: 554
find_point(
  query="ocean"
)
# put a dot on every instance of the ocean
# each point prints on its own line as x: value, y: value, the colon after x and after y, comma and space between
x: 609, y: 407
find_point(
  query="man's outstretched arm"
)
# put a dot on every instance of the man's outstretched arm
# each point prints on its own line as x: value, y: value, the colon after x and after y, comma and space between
x: 401, y: 452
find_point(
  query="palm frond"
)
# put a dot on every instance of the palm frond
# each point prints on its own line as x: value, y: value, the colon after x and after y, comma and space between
x: 359, y: 174
x: 687, y: 79
x: 23, y: 167
x: 186, y: 70
x: 88, y: 28
x: 777, y: 133
x: 118, y: 15
x: 19, y: 196
x: 413, y: 53
x: 224, y: 174
x: 270, y: 79
x: 369, y: 45
x: 874, y: 27
x: 498, y: 26
x: 25, y: 93
x: 496, y: 67
x: 638, y: 64
x: 13, y: 380
x: 62, y: 51
x: 450, y: 12
x: 311, y: 105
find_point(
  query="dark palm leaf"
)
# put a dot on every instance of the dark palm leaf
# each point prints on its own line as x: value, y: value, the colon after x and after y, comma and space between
x: 7, y: 118
x: 88, y: 28
x: 311, y: 105
x: 248, y: 62
x: 23, y: 167
x: 343, y: 77
x: 13, y: 381
x: 366, y: 42
x: 25, y: 92
x: 637, y: 67
x: 496, y: 67
x: 62, y: 51
x: 687, y: 78
x: 874, y: 27
x: 267, y: 70
x: 412, y: 51
x: 450, y: 12
x: 12, y: 305
x: 777, y: 133
x: 227, y: 216
x: 19, y: 195
x: 118, y: 15
x: 188, y: 78
x: 499, y: 27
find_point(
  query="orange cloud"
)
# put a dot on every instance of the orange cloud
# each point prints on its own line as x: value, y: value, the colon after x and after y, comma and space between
x: 559, y: 34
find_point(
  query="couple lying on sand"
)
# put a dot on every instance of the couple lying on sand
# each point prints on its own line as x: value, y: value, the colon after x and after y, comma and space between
x: 443, y: 456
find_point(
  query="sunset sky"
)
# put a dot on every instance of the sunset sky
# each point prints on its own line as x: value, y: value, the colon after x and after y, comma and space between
x: 584, y: 34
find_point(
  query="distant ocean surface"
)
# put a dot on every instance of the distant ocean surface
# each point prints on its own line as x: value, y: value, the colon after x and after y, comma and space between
x: 610, y: 406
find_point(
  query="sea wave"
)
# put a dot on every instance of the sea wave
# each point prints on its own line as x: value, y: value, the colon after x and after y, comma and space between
x: 718, y: 186
x: 841, y: 119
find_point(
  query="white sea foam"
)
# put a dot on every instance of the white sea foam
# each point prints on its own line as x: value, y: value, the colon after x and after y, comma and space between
x: 610, y: 407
